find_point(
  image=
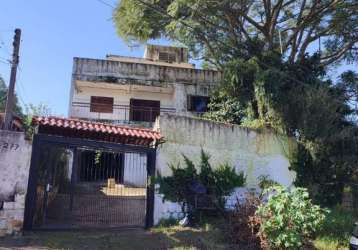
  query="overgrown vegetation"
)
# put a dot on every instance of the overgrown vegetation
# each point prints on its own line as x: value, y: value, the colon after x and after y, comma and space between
x: 275, y: 75
x: 243, y: 226
x: 336, y: 229
x: 289, y: 219
x: 202, y: 179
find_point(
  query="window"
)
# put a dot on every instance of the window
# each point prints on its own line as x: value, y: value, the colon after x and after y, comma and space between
x: 167, y: 57
x: 144, y: 110
x: 198, y: 103
x: 101, y: 104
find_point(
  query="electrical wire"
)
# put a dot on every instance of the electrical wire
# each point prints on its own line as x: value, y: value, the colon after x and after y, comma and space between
x: 105, y: 3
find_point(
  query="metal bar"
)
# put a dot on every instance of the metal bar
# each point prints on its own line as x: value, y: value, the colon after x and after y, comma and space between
x: 73, y: 176
x: 151, y: 158
x: 31, y: 196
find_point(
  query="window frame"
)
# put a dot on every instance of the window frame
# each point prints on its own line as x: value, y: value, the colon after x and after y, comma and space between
x: 190, y: 103
x: 101, y: 104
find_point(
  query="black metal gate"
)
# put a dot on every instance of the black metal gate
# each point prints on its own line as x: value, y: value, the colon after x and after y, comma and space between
x: 77, y: 183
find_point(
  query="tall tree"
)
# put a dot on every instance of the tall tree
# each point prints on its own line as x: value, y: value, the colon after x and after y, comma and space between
x: 274, y: 55
x: 215, y: 30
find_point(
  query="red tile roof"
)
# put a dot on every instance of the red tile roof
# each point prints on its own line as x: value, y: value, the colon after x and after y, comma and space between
x: 96, y: 127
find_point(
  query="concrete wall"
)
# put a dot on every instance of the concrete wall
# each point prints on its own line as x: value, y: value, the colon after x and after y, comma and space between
x: 169, y: 85
x: 255, y: 153
x: 121, y: 98
x: 15, y: 156
x: 141, y: 73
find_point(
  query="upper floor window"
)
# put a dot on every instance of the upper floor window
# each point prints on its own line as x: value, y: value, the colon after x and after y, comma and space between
x: 167, y: 57
x: 198, y: 103
x: 101, y: 104
x: 144, y: 110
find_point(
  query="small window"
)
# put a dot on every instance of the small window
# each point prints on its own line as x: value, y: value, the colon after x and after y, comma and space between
x: 101, y: 104
x: 198, y: 103
x: 144, y: 110
x: 167, y: 57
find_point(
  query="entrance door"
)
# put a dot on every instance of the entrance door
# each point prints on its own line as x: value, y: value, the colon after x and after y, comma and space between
x: 86, y: 188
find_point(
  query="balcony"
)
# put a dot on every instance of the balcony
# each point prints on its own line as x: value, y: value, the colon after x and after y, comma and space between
x: 119, y: 114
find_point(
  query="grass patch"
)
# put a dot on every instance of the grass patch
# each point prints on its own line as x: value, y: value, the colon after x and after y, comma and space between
x: 336, y: 230
x: 212, y: 233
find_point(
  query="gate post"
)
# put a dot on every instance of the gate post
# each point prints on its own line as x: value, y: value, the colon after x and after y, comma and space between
x: 31, y: 194
x: 151, y: 155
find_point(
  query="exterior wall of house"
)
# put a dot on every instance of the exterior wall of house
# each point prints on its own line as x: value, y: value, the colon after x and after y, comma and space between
x: 82, y: 96
x: 148, y: 61
x: 152, y: 53
x: 15, y: 155
x: 255, y: 153
x: 124, y: 80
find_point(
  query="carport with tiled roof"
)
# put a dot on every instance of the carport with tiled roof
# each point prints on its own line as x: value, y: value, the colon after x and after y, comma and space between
x: 86, y: 174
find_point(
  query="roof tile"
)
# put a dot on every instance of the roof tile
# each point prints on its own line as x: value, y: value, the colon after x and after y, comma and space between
x: 83, y: 125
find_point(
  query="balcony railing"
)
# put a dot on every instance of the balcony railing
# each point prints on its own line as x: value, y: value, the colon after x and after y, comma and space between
x: 121, y: 114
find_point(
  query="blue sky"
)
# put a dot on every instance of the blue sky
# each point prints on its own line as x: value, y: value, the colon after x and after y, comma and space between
x: 53, y: 32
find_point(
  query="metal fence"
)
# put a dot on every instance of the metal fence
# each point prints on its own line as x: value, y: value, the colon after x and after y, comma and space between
x: 104, y: 189
x: 121, y: 114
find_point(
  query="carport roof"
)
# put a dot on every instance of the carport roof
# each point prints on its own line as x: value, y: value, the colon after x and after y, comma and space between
x: 95, y: 130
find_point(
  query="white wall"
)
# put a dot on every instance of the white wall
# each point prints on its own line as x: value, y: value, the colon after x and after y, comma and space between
x: 169, y: 85
x: 255, y: 153
x: 171, y: 100
x: 15, y: 156
x: 135, y: 169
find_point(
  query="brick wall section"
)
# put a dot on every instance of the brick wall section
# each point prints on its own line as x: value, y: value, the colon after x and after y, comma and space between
x: 15, y: 155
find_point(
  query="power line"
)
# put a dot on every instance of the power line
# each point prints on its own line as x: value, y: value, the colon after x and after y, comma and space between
x: 5, y: 62
x: 105, y: 3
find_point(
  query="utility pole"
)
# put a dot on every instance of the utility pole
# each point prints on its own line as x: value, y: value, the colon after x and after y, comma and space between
x: 9, y: 108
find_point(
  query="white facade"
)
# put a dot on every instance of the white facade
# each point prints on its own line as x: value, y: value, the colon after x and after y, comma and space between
x: 126, y: 78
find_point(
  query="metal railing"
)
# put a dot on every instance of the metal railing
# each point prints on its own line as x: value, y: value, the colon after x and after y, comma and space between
x: 121, y: 114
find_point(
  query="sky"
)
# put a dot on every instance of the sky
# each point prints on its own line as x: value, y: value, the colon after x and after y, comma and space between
x: 53, y: 32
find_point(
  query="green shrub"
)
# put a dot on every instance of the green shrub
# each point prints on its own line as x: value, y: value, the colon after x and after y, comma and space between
x: 218, y: 182
x: 265, y: 182
x: 288, y: 219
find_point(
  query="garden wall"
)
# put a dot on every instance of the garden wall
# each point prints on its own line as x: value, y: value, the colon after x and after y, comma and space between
x: 15, y: 155
x: 254, y: 152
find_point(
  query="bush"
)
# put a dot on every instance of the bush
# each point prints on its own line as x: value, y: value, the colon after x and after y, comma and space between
x: 243, y: 225
x: 288, y: 219
x: 216, y: 183
x: 265, y: 182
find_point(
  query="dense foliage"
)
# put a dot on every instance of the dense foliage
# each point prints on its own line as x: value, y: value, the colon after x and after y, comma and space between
x: 221, y: 31
x: 288, y: 219
x: 299, y: 101
x: 215, y: 182
x: 274, y: 55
